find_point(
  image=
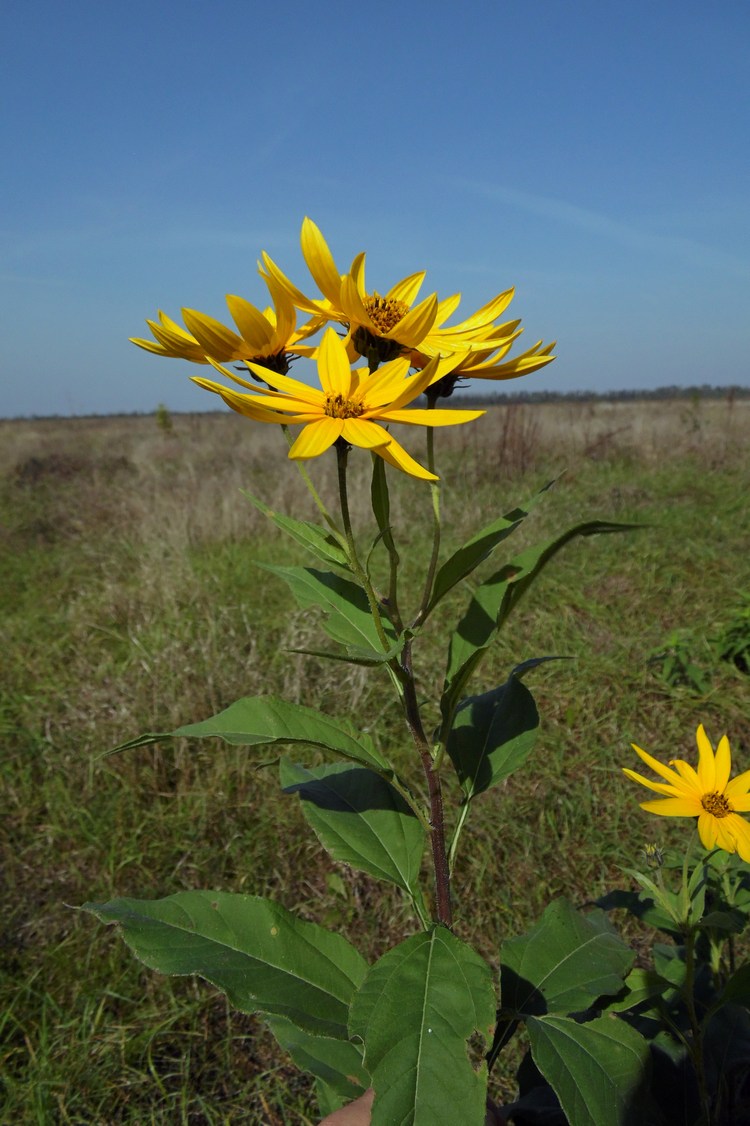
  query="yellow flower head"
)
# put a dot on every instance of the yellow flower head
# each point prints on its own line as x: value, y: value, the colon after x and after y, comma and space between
x: 349, y: 405
x: 705, y: 793
x: 264, y: 337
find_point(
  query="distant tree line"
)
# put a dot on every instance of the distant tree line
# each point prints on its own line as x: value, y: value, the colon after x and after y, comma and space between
x: 692, y: 394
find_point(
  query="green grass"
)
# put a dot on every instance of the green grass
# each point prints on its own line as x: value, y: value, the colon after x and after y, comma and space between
x: 130, y: 601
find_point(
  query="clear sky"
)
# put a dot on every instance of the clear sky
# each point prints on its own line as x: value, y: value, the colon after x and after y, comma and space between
x: 592, y: 153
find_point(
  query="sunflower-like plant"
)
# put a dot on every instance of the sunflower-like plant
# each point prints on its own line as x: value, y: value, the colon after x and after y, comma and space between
x: 400, y: 1026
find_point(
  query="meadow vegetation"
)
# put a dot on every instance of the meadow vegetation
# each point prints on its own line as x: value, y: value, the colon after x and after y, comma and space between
x: 131, y: 601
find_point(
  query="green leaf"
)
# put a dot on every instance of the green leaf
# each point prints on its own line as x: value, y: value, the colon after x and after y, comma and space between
x: 266, y: 720
x: 349, y: 620
x: 641, y: 985
x: 474, y: 552
x: 361, y: 819
x: 338, y: 1063
x: 737, y: 988
x: 492, y: 735
x: 414, y: 1011
x: 564, y: 964
x: 599, y: 1070
x: 320, y: 541
x: 492, y: 603
x: 262, y: 956
x: 381, y: 503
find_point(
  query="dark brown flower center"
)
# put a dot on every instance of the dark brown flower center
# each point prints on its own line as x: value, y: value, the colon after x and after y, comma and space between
x: 385, y: 312
x: 338, y: 407
x: 716, y: 804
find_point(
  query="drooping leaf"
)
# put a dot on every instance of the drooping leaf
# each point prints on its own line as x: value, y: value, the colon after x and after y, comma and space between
x: 600, y: 1071
x: 492, y: 603
x: 349, y: 620
x: 563, y: 964
x: 415, y: 1011
x: 338, y: 1063
x: 322, y: 542
x: 492, y: 735
x: 266, y: 720
x: 361, y: 819
x: 262, y: 956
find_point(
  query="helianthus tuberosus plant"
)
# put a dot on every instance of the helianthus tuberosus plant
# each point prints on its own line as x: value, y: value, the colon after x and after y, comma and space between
x: 401, y: 1025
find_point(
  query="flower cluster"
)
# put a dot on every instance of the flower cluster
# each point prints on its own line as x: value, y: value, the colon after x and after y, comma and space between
x: 392, y: 332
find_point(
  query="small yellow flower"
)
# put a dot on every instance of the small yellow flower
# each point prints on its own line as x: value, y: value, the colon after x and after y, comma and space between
x: 349, y: 405
x: 705, y: 793
x: 264, y: 337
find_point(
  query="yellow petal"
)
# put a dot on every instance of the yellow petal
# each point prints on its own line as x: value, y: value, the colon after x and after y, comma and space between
x: 723, y: 763
x: 706, y: 761
x: 671, y: 776
x: 307, y: 304
x: 737, y: 789
x: 397, y: 456
x: 673, y: 807
x: 288, y: 386
x: 215, y: 338
x: 421, y: 417
x: 320, y: 261
x: 367, y: 435
x: 253, y: 326
x: 412, y: 329
x: 407, y: 289
x: 317, y: 437
x: 740, y: 830
x: 657, y: 787
x: 333, y: 365
x: 687, y: 773
x: 708, y: 830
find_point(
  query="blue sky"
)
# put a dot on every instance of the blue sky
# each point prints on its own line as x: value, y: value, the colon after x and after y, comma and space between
x: 594, y: 155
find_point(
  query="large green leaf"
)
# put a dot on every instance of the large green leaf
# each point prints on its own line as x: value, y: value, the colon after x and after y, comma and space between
x: 492, y: 603
x: 415, y: 1011
x: 492, y: 735
x: 322, y: 542
x: 563, y: 964
x: 262, y: 956
x: 361, y: 819
x: 338, y: 1063
x: 266, y: 720
x: 349, y: 620
x: 599, y: 1070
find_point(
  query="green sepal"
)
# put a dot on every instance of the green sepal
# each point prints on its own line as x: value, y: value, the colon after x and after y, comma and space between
x: 414, y: 1012
x: 260, y: 955
x: 360, y: 819
x: 325, y: 544
x: 267, y: 720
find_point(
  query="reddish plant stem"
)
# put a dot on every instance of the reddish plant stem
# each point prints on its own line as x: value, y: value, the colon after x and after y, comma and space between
x: 434, y: 789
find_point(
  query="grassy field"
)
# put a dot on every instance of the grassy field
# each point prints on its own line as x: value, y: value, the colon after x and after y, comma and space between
x: 130, y: 602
